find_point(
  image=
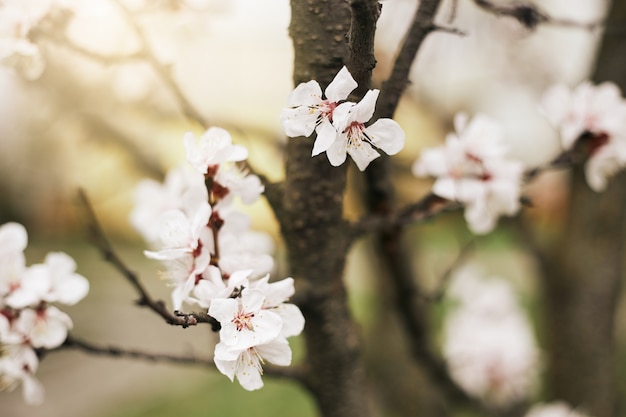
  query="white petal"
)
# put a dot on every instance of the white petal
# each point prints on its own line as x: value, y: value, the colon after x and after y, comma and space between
x: 277, y: 292
x: 13, y: 238
x: 364, y: 109
x: 326, y: 136
x: 224, y: 309
x: 293, y: 320
x: 341, y: 86
x: 337, y: 152
x: 299, y: 121
x: 387, y: 135
x: 362, y: 153
x: 32, y: 390
x: 305, y: 94
x: 277, y: 352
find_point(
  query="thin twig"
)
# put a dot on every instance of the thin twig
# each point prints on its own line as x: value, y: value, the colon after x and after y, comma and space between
x: 294, y: 373
x: 531, y: 16
x: 75, y: 343
x: 440, y: 290
x: 165, y: 72
x: 423, y: 210
x: 99, y: 239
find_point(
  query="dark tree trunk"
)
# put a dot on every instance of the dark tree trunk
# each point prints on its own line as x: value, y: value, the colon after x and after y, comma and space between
x: 313, y: 227
x: 583, y: 270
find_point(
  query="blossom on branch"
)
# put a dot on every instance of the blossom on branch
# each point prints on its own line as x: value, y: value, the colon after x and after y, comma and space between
x: 215, y: 261
x: 472, y: 168
x: 27, y: 319
x: 307, y: 111
x: 340, y: 126
x: 590, y: 119
x: 355, y: 139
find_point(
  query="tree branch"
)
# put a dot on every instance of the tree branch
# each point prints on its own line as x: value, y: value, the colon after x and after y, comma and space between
x: 145, y: 299
x: 114, y: 351
x: 293, y: 373
x: 392, y: 89
x: 531, y: 16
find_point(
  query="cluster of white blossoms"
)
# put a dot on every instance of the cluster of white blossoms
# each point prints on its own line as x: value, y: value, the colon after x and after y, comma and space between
x: 212, y: 258
x: 489, y: 345
x: 472, y: 168
x: 592, y: 119
x: 28, y: 321
x: 339, y: 124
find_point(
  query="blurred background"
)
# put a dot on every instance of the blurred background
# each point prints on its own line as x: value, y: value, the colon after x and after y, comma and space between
x: 87, y: 111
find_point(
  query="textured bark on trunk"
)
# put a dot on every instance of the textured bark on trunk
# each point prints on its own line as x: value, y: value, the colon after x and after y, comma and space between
x: 313, y: 228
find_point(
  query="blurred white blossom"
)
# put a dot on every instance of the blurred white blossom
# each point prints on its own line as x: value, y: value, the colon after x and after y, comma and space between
x: 489, y: 343
x: 473, y: 169
x: 27, y: 319
x: 553, y: 409
x: 593, y: 118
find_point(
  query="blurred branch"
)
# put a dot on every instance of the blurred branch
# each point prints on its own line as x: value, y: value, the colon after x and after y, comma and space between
x: 145, y: 299
x: 114, y: 351
x: 165, y: 72
x: 531, y: 16
x: 439, y: 291
x: 294, y: 373
x: 61, y: 39
x: 392, y: 89
x: 425, y: 209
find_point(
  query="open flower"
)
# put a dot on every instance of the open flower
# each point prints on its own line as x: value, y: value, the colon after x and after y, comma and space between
x: 212, y: 148
x: 308, y: 111
x: 244, y: 322
x: 591, y: 119
x: 472, y: 168
x: 247, y: 365
x: 358, y: 141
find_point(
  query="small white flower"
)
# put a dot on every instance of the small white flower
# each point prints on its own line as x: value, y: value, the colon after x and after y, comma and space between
x: 308, y: 111
x: 44, y: 328
x: 594, y: 117
x: 244, y: 321
x: 358, y: 141
x: 472, y: 168
x: 18, y: 364
x: 13, y: 241
x: 247, y: 365
x: 212, y: 148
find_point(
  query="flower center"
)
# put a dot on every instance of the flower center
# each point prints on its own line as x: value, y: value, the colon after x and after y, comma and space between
x: 243, y: 321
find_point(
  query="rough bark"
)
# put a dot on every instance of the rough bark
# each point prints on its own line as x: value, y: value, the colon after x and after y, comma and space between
x: 313, y: 228
x: 582, y: 273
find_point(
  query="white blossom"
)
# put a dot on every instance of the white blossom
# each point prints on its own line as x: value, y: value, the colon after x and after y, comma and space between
x: 358, y: 141
x: 472, y: 168
x: 594, y: 117
x: 45, y: 328
x: 212, y: 148
x: 488, y: 341
x: 247, y: 365
x: 18, y: 364
x: 307, y: 111
x: 244, y: 321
